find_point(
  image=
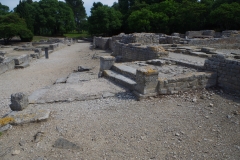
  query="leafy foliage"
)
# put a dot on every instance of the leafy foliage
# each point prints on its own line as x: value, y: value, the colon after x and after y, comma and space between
x: 47, y: 16
x: 3, y: 9
x: 12, y: 25
x: 104, y: 20
x: 79, y: 13
x: 226, y: 16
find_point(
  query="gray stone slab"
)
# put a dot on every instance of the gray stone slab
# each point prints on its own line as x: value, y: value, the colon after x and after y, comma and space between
x: 65, y: 144
x: 5, y: 128
x: 21, y: 59
x: 200, y: 54
x: 29, y: 115
x: 86, y: 90
x: 78, y: 77
x: 36, y: 95
x: 61, y: 80
x: 208, y: 49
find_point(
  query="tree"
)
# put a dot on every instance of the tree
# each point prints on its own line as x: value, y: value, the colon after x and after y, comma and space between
x: 226, y: 16
x: 54, y: 17
x: 104, y: 20
x: 139, y: 21
x: 26, y: 10
x: 4, y: 9
x: 191, y: 16
x: 12, y: 25
x: 79, y: 13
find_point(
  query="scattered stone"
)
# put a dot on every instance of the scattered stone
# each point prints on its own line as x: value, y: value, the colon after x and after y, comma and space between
x: 194, y: 100
x: 83, y: 69
x: 29, y: 115
x: 65, y: 144
x: 203, y: 96
x: 21, y: 143
x: 236, y: 112
x: 19, y: 101
x: 38, y: 136
x: 108, y: 94
x: 210, y: 105
x: 15, y: 152
x: 229, y: 116
x: 238, y: 147
x: 177, y: 134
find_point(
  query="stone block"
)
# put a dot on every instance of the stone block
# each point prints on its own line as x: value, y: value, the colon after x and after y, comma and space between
x: 173, y: 40
x: 8, y: 64
x: 163, y: 91
x: 106, y: 62
x: 21, y: 59
x: 19, y: 101
x: 147, y: 80
x: 53, y: 46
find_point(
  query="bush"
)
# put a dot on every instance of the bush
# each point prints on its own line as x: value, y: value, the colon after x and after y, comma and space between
x: 26, y: 35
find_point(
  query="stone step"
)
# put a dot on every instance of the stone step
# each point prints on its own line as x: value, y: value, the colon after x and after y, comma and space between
x: 120, y: 79
x: 125, y: 70
x: 200, y: 54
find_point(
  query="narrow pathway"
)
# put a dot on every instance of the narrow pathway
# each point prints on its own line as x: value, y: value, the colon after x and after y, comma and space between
x: 43, y: 72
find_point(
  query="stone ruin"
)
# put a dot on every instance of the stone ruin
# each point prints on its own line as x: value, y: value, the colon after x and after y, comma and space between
x: 153, y: 64
x: 15, y: 57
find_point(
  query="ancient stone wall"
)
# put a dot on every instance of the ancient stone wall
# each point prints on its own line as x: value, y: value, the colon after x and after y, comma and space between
x: 101, y: 42
x: 186, y: 82
x: 228, y: 72
x: 142, y: 38
x: 231, y: 42
x: 138, y: 52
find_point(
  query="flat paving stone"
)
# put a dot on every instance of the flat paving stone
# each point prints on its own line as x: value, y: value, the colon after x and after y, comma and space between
x: 29, y: 115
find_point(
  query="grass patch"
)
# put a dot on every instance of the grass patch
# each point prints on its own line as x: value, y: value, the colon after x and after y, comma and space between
x: 77, y: 35
x: 1, y: 134
x: 38, y: 38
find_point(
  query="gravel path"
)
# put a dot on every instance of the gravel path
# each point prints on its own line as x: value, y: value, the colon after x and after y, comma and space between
x: 169, y: 127
x: 43, y: 72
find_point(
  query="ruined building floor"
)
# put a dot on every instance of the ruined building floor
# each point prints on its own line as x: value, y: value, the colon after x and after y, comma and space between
x: 199, y: 124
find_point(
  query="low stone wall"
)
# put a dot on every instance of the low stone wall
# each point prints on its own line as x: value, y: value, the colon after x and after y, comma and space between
x: 142, y: 38
x: 101, y: 42
x: 228, y: 72
x: 186, y: 82
x: 225, y: 43
x: 138, y: 52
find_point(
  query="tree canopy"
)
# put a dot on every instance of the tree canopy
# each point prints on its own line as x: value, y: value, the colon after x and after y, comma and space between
x: 53, y: 17
x: 3, y: 9
x: 47, y: 16
x: 79, y: 13
x: 12, y: 25
x: 104, y: 20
